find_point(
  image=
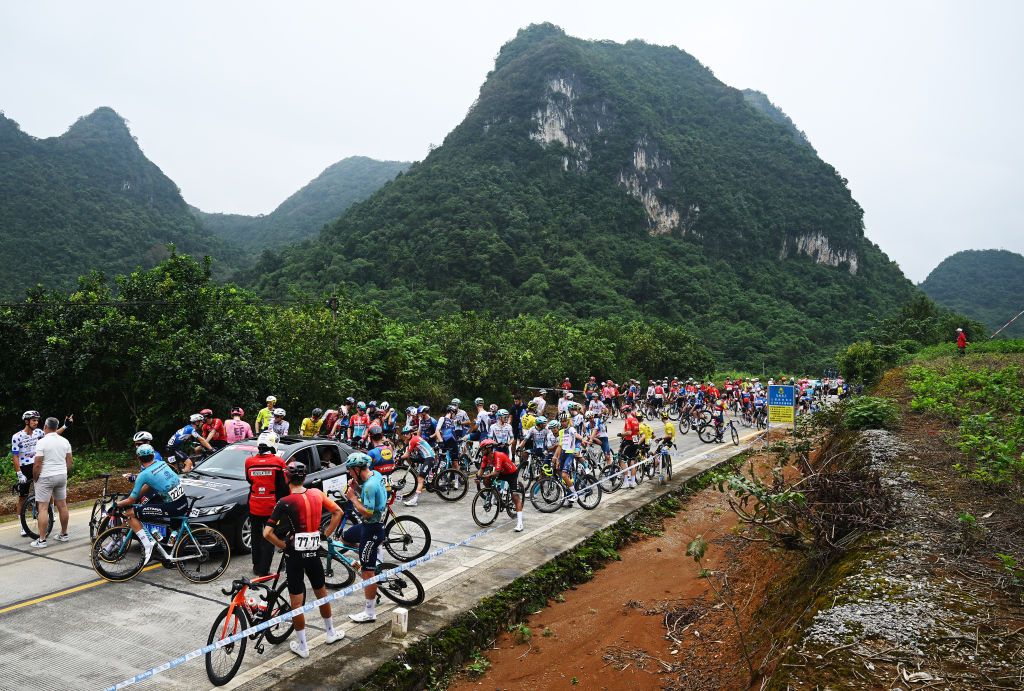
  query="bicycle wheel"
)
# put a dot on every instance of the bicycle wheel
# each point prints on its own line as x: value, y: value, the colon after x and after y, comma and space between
x: 486, y: 506
x: 734, y: 434
x: 204, y: 556
x: 641, y: 473
x: 117, y: 555
x: 222, y: 664
x: 30, y: 517
x: 338, y: 572
x: 674, y: 413
x: 451, y: 484
x: 684, y: 424
x: 610, y: 481
x: 280, y: 604
x: 706, y: 432
x: 403, y: 481
x: 588, y: 491
x: 406, y: 538
x: 510, y: 505
x: 666, y: 464
x: 402, y: 588
x: 546, y: 495
x: 94, y: 518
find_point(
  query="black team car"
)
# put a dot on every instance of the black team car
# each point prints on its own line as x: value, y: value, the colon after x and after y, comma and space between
x: 219, y: 482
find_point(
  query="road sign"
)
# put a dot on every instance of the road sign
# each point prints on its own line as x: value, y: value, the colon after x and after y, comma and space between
x: 781, y: 403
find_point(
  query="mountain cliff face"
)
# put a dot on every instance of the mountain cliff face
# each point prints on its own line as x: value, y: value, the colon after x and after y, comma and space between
x: 88, y: 199
x: 593, y: 178
x: 987, y: 285
x: 303, y: 215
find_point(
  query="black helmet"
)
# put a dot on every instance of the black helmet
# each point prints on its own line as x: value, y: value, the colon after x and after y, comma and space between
x: 317, y: 412
x: 296, y: 471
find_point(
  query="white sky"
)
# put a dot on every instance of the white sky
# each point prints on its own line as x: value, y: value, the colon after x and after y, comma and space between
x: 918, y: 104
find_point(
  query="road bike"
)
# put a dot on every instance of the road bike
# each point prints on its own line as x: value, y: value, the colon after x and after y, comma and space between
x: 449, y: 483
x: 489, y: 502
x: 242, y: 612
x: 405, y: 537
x: 715, y: 432
x: 99, y: 517
x: 30, y: 516
x: 665, y: 459
x: 200, y: 553
x: 402, y: 588
x: 548, y: 494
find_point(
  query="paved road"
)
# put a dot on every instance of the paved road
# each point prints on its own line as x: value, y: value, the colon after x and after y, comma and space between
x: 61, y: 627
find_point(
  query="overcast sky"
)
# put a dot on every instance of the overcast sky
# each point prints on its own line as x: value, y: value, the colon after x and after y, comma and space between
x: 918, y: 104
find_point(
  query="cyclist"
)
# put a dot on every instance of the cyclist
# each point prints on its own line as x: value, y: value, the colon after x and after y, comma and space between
x: 667, y: 440
x: 213, y: 429
x: 497, y: 464
x: 265, y: 473
x: 629, y: 451
x: 597, y: 433
x: 237, y: 429
x: 170, y: 501
x: 310, y: 426
x: 659, y: 396
x: 359, y: 423
x: 23, y: 450
x: 340, y: 431
x: 501, y: 432
x: 565, y: 454
x: 444, y: 435
x: 381, y: 453
x: 416, y: 447
x: 388, y: 419
x: 138, y: 440
x: 478, y: 430
x: 591, y: 387
x: 462, y: 420
x: 540, y: 401
x: 279, y: 425
x: 294, y: 526
x: 265, y: 415
x: 370, y: 504
x: 176, y: 444
x: 427, y: 424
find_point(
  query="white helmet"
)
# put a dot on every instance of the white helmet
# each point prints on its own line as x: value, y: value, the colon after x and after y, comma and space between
x: 278, y: 412
x: 271, y: 399
x: 142, y: 437
x: 385, y: 406
x: 267, y: 440
x: 195, y: 418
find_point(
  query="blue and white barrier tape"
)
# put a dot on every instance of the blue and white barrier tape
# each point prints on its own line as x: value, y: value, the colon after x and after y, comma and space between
x: 309, y: 606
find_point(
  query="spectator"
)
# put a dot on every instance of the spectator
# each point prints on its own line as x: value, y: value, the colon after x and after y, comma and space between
x: 50, y: 473
x: 237, y: 429
x: 961, y: 342
x: 540, y: 401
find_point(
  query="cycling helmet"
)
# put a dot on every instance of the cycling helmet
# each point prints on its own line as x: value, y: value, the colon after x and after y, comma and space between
x: 206, y: 412
x: 267, y: 440
x: 486, y: 446
x: 350, y: 400
x: 502, y: 413
x: 452, y: 408
x: 543, y: 392
x: 271, y: 399
x: 29, y: 414
x: 563, y: 416
x: 423, y: 409
x: 238, y: 411
x: 361, y: 405
x: 145, y: 452
x: 569, y: 396
x: 358, y: 460
x: 493, y: 407
x: 553, y: 424
x: 195, y: 418
x: 371, y: 404
x: 589, y: 414
x: 142, y: 437
x: 664, y: 415
x: 541, y: 421
x: 407, y: 429
x: 376, y: 431
x: 317, y: 412
x: 279, y: 412
x: 478, y: 401
x: 295, y: 471
x: 456, y: 402
x: 531, y: 406
x: 385, y: 406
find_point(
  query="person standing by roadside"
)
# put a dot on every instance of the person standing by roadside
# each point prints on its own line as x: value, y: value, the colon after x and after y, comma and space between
x: 237, y: 429
x: 266, y: 415
x: 540, y: 401
x: 23, y: 450
x: 265, y: 473
x: 961, y: 342
x: 50, y: 472
x: 213, y: 429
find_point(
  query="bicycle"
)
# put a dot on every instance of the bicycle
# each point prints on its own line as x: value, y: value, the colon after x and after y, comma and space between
x: 489, y: 502
x: 715, y: 432
x: 243, y: 612
x: 547, y: 494
x: 666, y: 460
x: 30, y: 516
x: 201, y: 553
x: 98, y: 518
x: 405, y: 537
x: 761, y: 418
x: 340, y: 571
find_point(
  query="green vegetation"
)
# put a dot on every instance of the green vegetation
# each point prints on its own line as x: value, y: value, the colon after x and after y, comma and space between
x: 302, y: 215
x: 495, y: 220
x: 88, y: 199
x: 983, y: 399
x: 987, y: 285
x: 870, y: 412
x: 156, y: 345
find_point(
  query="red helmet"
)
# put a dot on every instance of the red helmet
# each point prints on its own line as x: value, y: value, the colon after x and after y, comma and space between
x: 486, y: 446
x: 205, y: 411
x: 238, y: 411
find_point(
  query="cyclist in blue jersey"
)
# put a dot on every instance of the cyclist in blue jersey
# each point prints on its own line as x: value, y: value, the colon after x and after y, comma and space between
x: 597, y: 433
x: 189, y: 433
x: 170, y: 503
x: 371, y: 504
x: 427, y: 424
x: 444, y: 435
x: 388, y: 420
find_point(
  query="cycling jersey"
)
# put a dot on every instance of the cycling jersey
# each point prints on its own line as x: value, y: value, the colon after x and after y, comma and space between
x: 567, y: 438
x: 501, y: 434
x: 23, y: 446
x: 419, y: 446
x: 600, y: 427
x: 646, y: 433
x: 631, y: 428
x: 279, y: 428
x: 296, y: 520
x: 374, y: 497
x: 183, y: 435
x: 217, y: 427
x: 263, y: 418
x: 427, y: 427
x: 670, y: 430
x: 483, y: 423
x: 499, y: 461
x: 267, y: 484
x: 310, y: 427
x: 389, y: 420
x: 161, y: 479
x: 760, y: 402
x: 529, y: 422
x: 237, y: 430
x: 382, y: 458
x: 448, y: 426
x: 359, y: 424
x: 659, y: 391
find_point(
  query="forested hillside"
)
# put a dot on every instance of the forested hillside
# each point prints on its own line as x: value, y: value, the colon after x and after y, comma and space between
x: 88, y: 199
x: 302, y: 215
x: 599, y: 179
x: 987, y: 285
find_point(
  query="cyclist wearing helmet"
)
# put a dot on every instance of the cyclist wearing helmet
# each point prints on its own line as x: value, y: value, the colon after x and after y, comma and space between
x: 279, y: 426
x: 444, y: 435
x: 597, y: 433
x: 310, y: 426
x: 417, y: 449
x: 427, y: 424
x: 630, y: 448
x: 138, y: 440
x: 237, y: 429
x: 170, y: 501
x: 370, y: 504
x: 565, y: 454
x: 497, y: 464
x: 340, y: 431
x: 359, y: 425
x: 381, y: 453
x: 501, y: 432
x: 213, y: 429
x: 294, y: 526
x: 23, y: 449
x: 478, y: 430
x: 188, y: 433
x: 265, y: 415
x: 388, y: 419
x: 267, y: 483
x: 462, y: 421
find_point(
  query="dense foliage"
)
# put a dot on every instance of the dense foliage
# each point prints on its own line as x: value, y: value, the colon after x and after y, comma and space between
x: 987, y: 285
x: 88, y: 199
x: 156, y: 345
x: 983, y: 398
x: 870, y: 412
x: 494, y: 220
x: 303, y: 214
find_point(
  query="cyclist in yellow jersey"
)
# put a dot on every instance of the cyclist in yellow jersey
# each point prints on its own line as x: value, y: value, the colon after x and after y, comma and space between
x: 646, y: 433
x: 529, y: 421
x: 670, y: 429
x: 311, y: 425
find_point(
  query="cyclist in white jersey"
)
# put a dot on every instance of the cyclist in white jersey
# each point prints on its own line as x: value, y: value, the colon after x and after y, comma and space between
x: 501, y: 432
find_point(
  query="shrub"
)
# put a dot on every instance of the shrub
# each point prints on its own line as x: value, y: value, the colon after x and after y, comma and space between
x: 870, y: 412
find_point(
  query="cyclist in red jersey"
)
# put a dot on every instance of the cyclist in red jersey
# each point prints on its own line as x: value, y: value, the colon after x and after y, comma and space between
x: 294, y: 526
x: 628, y: 453
x: 265, y: 473
x: 497, y: 464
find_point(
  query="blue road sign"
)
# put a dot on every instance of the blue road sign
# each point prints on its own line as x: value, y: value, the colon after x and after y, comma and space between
x: 781, y: 395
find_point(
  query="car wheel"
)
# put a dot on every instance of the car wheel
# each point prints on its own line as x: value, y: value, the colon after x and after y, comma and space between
x: 243, y: 536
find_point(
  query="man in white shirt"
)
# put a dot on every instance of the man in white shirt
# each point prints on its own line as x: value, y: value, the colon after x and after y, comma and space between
x: 540, y: 401
x: 50, y: 473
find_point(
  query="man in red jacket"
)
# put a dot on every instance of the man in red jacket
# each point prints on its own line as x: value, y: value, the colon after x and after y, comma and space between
x: 265, y: 473
x: 961, y: 341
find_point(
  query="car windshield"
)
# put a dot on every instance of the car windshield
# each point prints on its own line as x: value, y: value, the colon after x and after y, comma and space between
x: 229, y: 462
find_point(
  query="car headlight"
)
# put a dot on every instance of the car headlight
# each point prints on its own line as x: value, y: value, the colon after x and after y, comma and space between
x: 214, y: 510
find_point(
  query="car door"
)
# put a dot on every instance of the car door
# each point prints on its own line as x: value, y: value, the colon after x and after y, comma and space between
x: 331, y: 471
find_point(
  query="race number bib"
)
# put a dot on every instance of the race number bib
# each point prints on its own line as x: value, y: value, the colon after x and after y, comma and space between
x: 176, y: 493
x: 307, y: 542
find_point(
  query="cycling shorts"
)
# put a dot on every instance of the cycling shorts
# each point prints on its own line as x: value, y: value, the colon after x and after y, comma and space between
x: 425, y: 465
x: 511, y: 478
x: 152, y: 512
x: 628, y: 452
x: 298, y: 568
x: 369, y: 537
x: 605, y: 446
x: 566, y: 462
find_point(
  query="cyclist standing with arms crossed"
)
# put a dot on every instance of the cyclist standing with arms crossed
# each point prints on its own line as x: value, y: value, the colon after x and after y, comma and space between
x: 294, y: 526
